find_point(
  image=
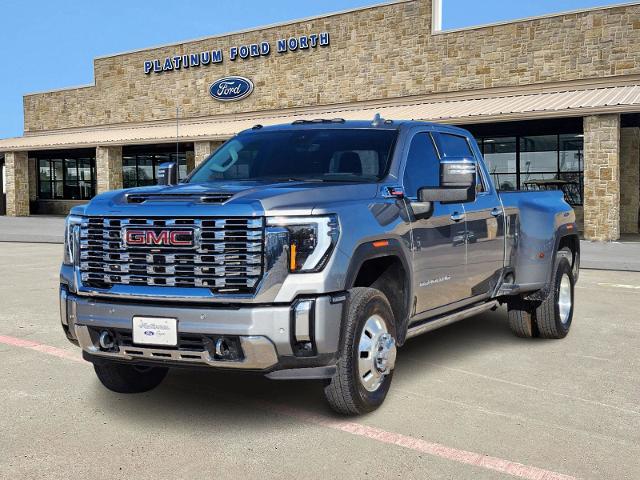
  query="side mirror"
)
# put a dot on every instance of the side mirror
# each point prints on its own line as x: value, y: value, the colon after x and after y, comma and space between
x: 457, y: 183
x: 458, y: 173
x: 168, y: 174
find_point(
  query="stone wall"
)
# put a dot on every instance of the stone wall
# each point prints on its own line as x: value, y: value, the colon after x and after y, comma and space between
x: 17, y: 173
x: 629, y: 179
x: 375, y: 53
x: 602, y: 177
x: 33, y: 179
x: 108, y: 168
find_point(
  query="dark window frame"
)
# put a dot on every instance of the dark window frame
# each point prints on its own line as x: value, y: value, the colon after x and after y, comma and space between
x: 155, y: 155
x: 51, y: 158
x: 558, y: 173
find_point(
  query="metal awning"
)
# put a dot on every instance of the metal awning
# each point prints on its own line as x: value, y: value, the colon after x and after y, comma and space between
x: 576, y: 102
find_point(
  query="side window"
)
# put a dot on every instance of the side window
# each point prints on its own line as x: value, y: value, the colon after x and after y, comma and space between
x: 454, y: 146
x: 423, y: 165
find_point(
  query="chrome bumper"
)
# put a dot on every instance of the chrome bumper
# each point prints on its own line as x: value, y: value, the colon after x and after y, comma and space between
x: 259, y: 353
x: 266, y: 333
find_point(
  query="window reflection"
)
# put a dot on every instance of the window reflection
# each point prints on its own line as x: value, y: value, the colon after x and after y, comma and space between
x: 537, y: 162
x: 65, y: 175
x: 140, y: 167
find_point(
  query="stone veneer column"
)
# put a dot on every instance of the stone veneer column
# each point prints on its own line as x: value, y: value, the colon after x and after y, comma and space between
x: 629, y: 179
x: 203, y: 150
x: 602, y: 177
x: 108, y: 168
x: 17, y: 173
x: 33, y: 179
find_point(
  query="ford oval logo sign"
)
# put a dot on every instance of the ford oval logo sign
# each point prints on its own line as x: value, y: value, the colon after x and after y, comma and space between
x: 230, y: 89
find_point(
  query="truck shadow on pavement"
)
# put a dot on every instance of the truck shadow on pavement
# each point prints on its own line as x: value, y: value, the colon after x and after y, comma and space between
x: 203, y: 399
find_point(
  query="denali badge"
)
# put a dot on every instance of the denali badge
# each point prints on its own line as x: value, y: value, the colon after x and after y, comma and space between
x: 157, y: 238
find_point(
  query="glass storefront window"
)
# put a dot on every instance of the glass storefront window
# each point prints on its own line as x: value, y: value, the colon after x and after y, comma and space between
x: 538, y: 154
x: 140, y: 168
x: 537, y: 162
x: 500, y: 155
x: 63, y: 176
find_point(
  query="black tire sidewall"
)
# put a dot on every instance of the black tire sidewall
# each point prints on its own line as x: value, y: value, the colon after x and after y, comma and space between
x: 563, y: 267
x: 373, y: 305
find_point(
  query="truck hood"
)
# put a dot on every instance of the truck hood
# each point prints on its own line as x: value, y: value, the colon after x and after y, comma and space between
x: 226, y: 198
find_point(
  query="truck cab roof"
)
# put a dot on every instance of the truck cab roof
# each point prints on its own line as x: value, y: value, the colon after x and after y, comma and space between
x: 340, y: 123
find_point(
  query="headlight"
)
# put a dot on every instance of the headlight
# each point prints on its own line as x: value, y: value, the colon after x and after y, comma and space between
x: 71, y: 230
x: 311, y: 240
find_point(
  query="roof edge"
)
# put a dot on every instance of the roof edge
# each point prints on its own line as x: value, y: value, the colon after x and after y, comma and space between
x: 535, y: 17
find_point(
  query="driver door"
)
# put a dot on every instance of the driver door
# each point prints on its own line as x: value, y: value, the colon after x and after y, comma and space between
x: 438, y: 245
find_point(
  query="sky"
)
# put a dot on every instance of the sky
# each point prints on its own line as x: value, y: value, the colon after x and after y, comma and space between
x: 50, y: 44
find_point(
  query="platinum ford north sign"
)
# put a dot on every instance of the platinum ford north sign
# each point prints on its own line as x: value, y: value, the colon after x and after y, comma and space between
x: 243, y: 52
x: 230, y: 89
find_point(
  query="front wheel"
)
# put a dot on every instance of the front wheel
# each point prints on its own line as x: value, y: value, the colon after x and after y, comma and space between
x: 368, y: 354
x: 122, y: 378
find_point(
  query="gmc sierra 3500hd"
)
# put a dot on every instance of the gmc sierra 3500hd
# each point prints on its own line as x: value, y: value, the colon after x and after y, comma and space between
x: 312, y: 251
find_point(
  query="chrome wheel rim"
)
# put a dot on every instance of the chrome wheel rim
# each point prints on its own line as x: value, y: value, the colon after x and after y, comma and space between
x: 376, y: 353
x: 564, y: 299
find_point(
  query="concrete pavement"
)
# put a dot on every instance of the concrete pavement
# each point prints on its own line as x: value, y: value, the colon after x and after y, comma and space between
x: 568, y: 408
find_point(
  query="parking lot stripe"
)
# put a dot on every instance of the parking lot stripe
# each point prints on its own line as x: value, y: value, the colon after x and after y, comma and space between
x: 435, y: 449
x: 373, y: 433
x: 40, y: 347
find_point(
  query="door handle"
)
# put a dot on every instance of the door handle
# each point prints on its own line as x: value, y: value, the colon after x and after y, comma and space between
x: 496, y: 212
x: 457, y: 217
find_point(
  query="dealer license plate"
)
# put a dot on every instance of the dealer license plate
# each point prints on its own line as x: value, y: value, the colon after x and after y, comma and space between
x: 155, y: 331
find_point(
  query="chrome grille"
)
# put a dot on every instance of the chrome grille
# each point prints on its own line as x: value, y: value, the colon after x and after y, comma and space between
x: 227, y: 257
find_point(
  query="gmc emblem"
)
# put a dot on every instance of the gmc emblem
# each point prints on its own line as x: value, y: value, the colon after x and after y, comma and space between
x: 158, y: 238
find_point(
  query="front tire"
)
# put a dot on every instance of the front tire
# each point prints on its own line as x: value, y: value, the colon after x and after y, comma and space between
x: 368, y: 351
x: 122, y: 378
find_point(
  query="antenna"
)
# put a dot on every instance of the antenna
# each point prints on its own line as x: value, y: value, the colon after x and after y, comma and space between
x: 177, y: 137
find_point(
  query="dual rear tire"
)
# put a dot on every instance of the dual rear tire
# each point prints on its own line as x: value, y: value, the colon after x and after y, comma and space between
x: 552, y: 316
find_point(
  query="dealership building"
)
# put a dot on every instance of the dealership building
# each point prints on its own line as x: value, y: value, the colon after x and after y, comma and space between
x: 554, y: 102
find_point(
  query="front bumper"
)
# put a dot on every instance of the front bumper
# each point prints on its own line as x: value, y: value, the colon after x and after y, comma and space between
x: 270, y: 336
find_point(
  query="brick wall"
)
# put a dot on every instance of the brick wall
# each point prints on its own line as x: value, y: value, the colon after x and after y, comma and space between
x: 381, y: 52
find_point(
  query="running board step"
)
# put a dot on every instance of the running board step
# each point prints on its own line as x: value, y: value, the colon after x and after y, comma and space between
x: 431, y: 325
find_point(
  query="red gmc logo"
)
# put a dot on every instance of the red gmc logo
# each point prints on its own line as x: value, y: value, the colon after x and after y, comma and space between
x: 167, y: 238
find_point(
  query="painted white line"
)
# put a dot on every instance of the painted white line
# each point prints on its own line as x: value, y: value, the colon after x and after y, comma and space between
x: 372, y: 433
x: 537, y: 389
x: 620, y: 285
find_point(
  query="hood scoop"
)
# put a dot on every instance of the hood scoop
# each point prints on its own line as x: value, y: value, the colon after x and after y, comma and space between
x: 212, y: 198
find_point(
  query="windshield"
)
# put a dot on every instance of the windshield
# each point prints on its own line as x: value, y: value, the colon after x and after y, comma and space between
x: 339, y: 155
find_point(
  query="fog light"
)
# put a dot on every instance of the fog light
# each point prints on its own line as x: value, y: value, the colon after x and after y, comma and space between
x: 106, y: 340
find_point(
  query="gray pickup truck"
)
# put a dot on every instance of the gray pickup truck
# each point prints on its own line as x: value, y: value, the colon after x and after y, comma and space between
x: 312, y: 250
